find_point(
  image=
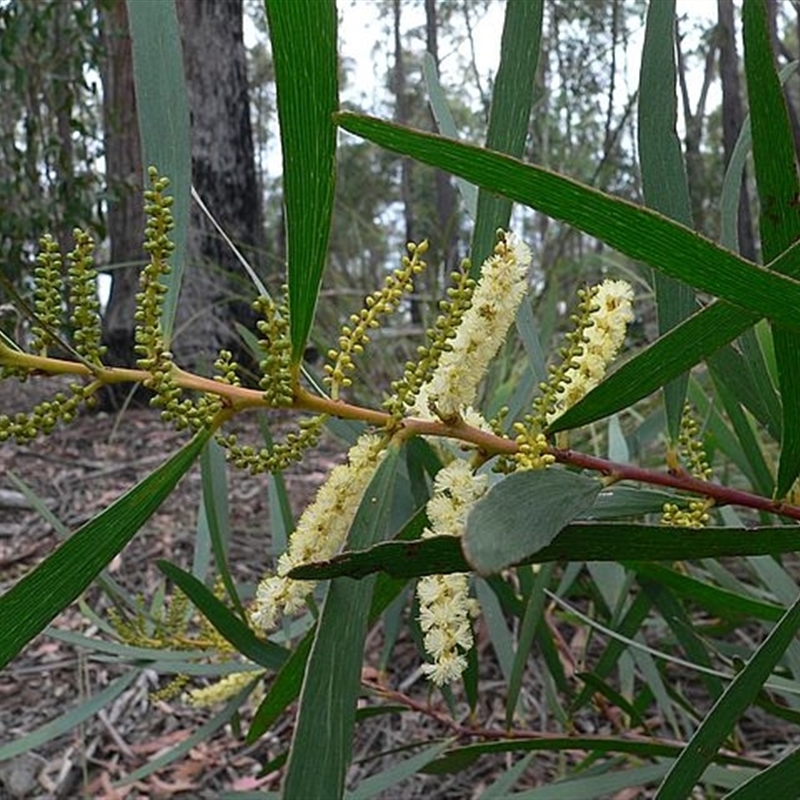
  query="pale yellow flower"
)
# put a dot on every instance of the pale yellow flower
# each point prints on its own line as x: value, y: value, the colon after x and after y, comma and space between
x: 613, y: 303
x: 453, y: 387
x: 222, y: 690
x: 320, y: 533
x: 444, y: 601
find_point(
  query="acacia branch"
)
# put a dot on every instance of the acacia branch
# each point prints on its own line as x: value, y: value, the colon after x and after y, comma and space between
x: 239, y: 398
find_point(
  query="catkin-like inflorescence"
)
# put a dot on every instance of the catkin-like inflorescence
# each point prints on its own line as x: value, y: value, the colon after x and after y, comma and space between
x: 276, y: 366
x: 223, y: 689
x: 380, y: 303
x: 601, y: 320
x: 445, y: 606
x: 601, y: 325
x: 84, y: 303
x: 48, y: 296
x: 320, y: 533
x: 417, y: 373
x: 453, y: 387
x: 696, y: 514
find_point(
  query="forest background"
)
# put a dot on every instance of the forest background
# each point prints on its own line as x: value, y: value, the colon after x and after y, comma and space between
x: 70, y: 110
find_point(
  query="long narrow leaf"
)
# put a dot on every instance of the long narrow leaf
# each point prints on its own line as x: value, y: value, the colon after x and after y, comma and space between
x: 213, y: 470
x: 717, y: 725
x: 447, y: 127
x: 771, y: 782
x: 267, y: 654
x: 664, y: 182
x: 162, y: 108
x: 303, y: 36
x: 779, y: 222
x: 577, y: 542
x: 637, y: 232
x: 512, y: 98
x: 324, y: 730
x: 69, y: 720
x: 32, y: 603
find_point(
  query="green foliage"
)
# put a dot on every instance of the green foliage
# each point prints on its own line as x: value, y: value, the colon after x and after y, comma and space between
x: 49, y: 137
x: 401, y: 503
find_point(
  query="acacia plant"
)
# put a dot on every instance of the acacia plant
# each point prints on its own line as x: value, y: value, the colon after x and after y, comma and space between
x: 487, y: 508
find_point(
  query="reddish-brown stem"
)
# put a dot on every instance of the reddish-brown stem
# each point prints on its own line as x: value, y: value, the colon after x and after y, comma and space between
x: 723, y: 495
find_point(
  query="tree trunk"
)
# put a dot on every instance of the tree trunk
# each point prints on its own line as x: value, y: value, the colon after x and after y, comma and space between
x: 216, y: 291
x: 124, y: 170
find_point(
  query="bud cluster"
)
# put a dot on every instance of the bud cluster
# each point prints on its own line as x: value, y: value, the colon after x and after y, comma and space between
x: 381, y: 302
x: 277, y: 381
x: 281, y: 454
x: 48, y: 296
x: 419, y: 372
x: 84, y: 303
x: 692, y: 451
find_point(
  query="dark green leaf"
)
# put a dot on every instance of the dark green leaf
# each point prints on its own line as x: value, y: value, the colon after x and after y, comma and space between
x: 456, y: 758
x: 637, y: 232
x: 217, y: 514
x: 237, y: 632
x: 49, y: 588
x: 779, y: 198
x: 303, y: 36
x: 720, y: 721
x: 582, y: 541
x: 323, y: 734
x: 664, y: 183
x: 283, y: 689
x: 771, y: 782
x: 512, y: 97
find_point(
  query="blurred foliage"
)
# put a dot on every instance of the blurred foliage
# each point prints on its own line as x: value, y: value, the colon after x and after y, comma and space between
x: 50, y: 134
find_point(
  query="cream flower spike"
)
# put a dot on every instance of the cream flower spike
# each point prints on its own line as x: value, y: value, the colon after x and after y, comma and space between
x: 320, y: 533
x: 613, y: 310
x: 454, y: 384
x: 444, y: 602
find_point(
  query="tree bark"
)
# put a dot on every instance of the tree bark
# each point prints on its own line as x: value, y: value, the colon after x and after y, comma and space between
x: 124, y: 177
x: 216, y: 291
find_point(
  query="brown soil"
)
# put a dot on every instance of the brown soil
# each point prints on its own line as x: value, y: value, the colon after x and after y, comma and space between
x: 77, y: 471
